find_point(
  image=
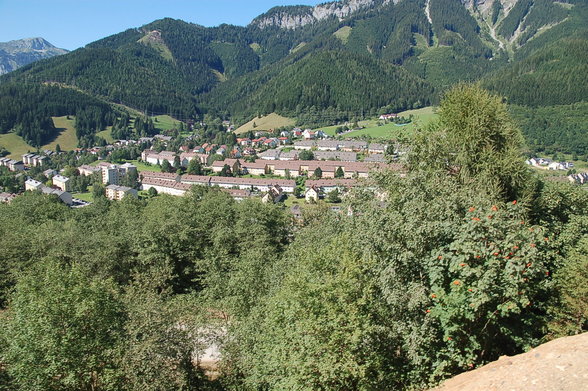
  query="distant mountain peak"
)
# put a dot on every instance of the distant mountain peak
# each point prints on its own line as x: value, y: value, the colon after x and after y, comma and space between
x: 17, y: 53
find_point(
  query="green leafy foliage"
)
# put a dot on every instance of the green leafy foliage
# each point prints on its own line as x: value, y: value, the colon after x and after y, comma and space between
x: 53, y: 309
x: 449, y: 275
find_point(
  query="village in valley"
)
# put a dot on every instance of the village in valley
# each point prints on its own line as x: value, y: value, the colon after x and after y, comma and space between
x: 289, y: 166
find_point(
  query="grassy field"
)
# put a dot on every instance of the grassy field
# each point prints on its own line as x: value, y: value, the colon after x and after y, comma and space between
x: 88, y: 197
x: 268, y: 122
x: 160, y: 47
x: 141, y: 166
x: 15, y: 145
x: 106, y: 135
x: 67, y: 139
x: 165, y: 122
x: 290, y: 201
x: 343, y: 33
x: 389, y: 131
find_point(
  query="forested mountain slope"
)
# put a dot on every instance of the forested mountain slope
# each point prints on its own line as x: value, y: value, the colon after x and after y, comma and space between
x: 336, y: 57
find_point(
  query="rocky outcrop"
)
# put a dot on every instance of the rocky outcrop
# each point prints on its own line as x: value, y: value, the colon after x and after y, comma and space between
x: 561, y: 365
x: 295, y: 17
x: 15, y: 54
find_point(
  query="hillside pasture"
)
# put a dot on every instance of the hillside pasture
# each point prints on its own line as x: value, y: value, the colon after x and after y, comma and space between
x: 371, y: 127
x: 107, y: 135
x: 165, y: 122
x: 15, y: 145
x: 66, y: 138
x: 271, y: 121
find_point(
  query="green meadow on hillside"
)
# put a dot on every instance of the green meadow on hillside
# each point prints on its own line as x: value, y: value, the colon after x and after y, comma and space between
x: 106, y: 135
x: 421, y: 117
x: 271, y: 121
x: 66, y: 139
x: 165, y: 122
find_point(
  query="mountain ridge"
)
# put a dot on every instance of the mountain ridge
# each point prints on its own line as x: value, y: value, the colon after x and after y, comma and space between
x: 178, y: 68
x: 17, y: 53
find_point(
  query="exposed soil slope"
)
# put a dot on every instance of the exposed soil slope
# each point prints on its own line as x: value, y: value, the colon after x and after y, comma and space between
x: 561, y: 364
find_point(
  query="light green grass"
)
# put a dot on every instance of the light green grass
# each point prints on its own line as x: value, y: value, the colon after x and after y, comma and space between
x: 256, y: 47
x: 268, y: 122
x: 141, y: 166
x: 343, y: 33
x: 421, y: 117
x: 15, y: 145
x: 165, y: 122
x: 298, y: 47
x: 421, y: 41
x: 564, y: 5
x: 107, y: 135
x: 159, y: 46
x: 388, y: 131
x: 220, y: 76
x: 330, y: 130
x: 88, y: 197
x: 290, y: 201
x: 67, y: 139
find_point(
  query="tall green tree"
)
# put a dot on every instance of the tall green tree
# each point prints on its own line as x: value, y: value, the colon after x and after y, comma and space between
x: 194, y: 167
x: 475, y: 140
x: 166, y: 167
x: 62, y: 331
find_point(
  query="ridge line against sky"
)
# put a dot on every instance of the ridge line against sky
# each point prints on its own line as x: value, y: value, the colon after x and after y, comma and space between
x: 70, y: 24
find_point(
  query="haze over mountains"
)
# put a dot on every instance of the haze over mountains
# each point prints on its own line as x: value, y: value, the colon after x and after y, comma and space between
x: 15, y: 54
x: 335, y: 61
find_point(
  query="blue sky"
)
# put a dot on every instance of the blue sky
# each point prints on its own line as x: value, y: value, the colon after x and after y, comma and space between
x: 70, y: 24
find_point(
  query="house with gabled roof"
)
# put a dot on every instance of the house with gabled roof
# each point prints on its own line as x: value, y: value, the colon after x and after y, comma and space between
x: 312, y: 194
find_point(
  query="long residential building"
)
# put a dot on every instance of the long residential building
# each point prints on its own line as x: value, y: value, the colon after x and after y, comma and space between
x: 328, y: 185
x: 277, y: 154
x: 180, y: 185
x: 164, y: 186
x: 335, y: 145
x: 167, y: 176
x: 259, y: 184
x: 296, y: 168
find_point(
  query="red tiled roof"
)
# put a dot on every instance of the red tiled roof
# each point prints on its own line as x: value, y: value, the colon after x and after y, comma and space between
x: 195, y: 179
x: 168, y: 176
x: 252, y: 181
x: 168, y: 184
